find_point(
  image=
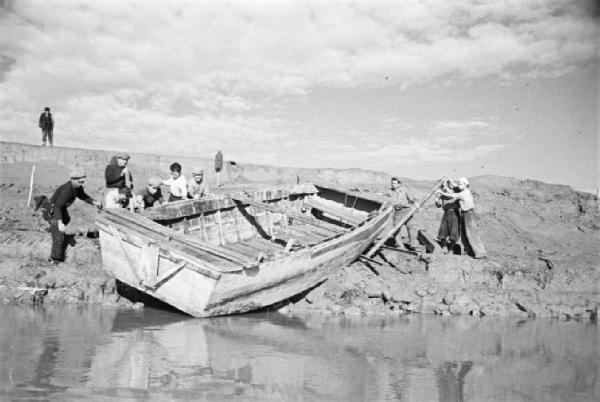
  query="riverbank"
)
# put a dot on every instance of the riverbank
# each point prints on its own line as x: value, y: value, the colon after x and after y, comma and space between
x: 541, y: 241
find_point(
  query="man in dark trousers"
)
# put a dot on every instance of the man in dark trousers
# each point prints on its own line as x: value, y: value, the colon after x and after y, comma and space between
x: 59, y: 217
x: 46, y: 123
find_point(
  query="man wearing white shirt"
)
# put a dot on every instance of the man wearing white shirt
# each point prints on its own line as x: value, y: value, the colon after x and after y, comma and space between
x: 177, y: 184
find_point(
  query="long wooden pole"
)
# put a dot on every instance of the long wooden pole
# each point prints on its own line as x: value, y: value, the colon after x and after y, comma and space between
x: 405, y: 219
x: 30, y: 186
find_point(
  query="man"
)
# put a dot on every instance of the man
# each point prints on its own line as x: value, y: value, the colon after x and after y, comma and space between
x: 198, y: 187
x: 46, y: 123
x: 58, y: 215
x: 402, y: 202
x: 177, y: 184
x: 471, y: 241
x: 449, y: 231
x: 152, y: 195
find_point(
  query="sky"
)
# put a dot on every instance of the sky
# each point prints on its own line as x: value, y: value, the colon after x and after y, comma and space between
x: 419, y: 89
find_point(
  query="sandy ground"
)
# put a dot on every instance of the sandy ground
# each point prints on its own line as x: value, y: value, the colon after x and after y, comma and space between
x: 542, y: 243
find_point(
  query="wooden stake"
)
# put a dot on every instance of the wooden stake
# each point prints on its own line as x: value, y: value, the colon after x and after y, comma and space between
x: 30, y: 186
x: 402, y: 222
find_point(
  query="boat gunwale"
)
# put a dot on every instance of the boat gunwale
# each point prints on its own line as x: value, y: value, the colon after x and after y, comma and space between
x: 114, y: 216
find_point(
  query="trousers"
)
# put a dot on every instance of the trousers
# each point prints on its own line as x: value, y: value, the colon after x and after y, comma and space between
x: 47, y: 133
x: 57, y: 252
x: 450, y: 226
x: 470, y: 237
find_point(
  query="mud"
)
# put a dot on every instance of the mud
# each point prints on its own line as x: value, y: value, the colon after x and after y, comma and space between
x: 542, y: 243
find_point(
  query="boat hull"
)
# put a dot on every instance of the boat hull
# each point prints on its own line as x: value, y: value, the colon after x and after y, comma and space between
x: 143, y: 259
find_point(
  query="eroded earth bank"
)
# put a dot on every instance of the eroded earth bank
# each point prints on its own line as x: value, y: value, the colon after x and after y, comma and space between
x: 542, y: 242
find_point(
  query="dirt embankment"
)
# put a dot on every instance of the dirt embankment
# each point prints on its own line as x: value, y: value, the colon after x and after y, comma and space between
x: 542, y: 242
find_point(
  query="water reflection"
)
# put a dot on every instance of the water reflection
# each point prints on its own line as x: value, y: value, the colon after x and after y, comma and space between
x: 71, y: 354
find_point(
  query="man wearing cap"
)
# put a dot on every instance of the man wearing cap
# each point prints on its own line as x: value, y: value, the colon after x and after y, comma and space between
x: 198, y: 188
x: 46, y: 123
x: 471, y: 240
x: 152, y: 195
x: 59, y: 217
x: 401, y: 201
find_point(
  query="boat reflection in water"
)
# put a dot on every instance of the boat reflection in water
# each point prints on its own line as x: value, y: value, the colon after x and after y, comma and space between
x: 106, y: 354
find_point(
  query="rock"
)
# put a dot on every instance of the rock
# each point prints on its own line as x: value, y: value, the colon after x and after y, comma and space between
x: 353, y: 310
x: 335, y: 309
x: 421, y: 292
x: 373, y: 290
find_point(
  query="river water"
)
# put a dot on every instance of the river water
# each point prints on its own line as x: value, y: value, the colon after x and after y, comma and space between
x: 93, y: 353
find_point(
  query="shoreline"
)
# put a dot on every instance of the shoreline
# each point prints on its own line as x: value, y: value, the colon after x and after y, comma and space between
x: 541, y: 239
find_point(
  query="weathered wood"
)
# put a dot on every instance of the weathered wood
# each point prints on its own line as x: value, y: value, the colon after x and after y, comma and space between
x: 170, y: 251
x: 165, y: 276
x: 431, y: 246
x: 210, y: 284
x: 149, y: 261
x: 153, y: 227
x: 403, y: 221
x: 301, y: 218
x: 128, y: 258
x: 220, y: 227
x: 335, y: 213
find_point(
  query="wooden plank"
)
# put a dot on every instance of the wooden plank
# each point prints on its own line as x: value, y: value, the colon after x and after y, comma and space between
x: 128, y: 258
x: 164, y: 277
x: 336, y: 213
x: 306, y: 232
x: 177, y: 251
x: 301, y: 218
x: 403, y: 221
x: 172, y: 235
x: 431, y: 246
x: 149, y: 261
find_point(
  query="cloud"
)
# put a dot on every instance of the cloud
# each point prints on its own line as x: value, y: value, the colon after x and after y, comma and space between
x: 218, y: 74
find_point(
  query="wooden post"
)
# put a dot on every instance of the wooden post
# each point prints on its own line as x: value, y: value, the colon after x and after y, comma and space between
x: 220, y: 227
x: 405, y: 219
x: 203, y: 226
x: 30, y: 186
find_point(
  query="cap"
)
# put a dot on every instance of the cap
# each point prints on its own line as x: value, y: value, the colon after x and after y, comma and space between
x: 396, y: 178
x: 464, y: 181
x: 122, y: 155
x: 154, y: 181
x: 198, y: 170
x: 77, y: 173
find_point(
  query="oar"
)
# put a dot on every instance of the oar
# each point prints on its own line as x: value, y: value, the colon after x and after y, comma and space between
x: 405, y: 219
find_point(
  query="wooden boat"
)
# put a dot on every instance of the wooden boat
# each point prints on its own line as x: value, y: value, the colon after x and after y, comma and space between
x: 241, y: 252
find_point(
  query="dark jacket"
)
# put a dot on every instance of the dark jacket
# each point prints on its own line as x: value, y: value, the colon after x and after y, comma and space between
x: 113, y: 176
x: 149, y: 198
x: 63, y: 197
x: 46, y: 122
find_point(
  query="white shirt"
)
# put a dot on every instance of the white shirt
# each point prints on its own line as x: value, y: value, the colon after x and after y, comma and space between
x: 465, y: 199
x: 112, y: 199
x: 178, y: 186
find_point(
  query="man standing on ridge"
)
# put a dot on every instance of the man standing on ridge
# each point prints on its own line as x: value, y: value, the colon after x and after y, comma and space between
x: 46, y: 123
x: 58, y: 216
